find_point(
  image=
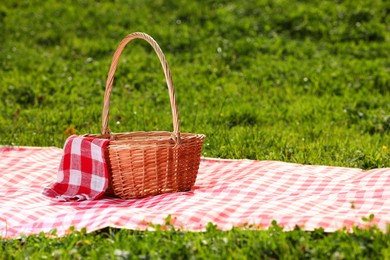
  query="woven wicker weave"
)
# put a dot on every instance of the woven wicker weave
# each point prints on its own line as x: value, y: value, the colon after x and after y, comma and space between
x: 149, y: 163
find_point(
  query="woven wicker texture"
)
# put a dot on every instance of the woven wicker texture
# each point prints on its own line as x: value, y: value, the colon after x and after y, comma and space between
x: 149, y: 163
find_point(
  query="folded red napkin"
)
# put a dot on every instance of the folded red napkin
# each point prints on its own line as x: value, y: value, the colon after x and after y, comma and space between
x: 83, y: 173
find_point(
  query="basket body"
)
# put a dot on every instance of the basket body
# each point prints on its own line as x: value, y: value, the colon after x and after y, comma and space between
x: 149, y: 163
x: 142, y: 164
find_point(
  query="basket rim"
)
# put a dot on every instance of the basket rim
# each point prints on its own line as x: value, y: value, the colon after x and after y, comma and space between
x: 146, y: 140
x: 145, y: 135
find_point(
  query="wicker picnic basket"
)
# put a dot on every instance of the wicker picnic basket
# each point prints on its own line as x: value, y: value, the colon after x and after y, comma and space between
x: 141, y: 164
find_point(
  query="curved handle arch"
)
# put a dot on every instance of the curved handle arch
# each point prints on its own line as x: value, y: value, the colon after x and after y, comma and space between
x: 167, y: 73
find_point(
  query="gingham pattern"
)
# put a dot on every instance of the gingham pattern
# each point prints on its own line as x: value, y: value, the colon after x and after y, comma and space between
x: 82, y: 174
x: 227, y: 193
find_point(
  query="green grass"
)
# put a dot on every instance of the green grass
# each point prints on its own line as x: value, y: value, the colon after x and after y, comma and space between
x: 238, y: 243
x: 306, y: 82
x: 296, y: 81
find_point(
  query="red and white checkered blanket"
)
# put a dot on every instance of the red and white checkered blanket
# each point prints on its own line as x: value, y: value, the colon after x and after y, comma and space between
x: 83, y: 173
x: 227, y: 193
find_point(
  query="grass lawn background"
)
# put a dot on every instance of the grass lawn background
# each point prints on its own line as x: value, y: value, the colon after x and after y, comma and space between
x: 295, y: 81
x: 300, y: 81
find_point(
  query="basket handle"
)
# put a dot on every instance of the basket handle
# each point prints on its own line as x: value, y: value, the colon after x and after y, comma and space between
x: 168, y: 77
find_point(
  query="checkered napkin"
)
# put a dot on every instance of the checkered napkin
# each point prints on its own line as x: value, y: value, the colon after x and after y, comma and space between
x: 83, y: 173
